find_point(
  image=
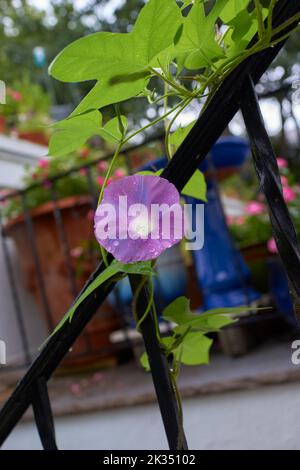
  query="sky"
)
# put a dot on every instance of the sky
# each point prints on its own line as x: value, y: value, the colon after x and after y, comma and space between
x: 106, y: 11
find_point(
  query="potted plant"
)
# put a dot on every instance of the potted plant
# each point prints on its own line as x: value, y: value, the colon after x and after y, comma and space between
x: 66, y: 260
x: 26, y: 112
x: 253, y: 234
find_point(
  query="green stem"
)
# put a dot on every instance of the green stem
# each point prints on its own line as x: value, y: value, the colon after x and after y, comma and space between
x: 149, y: 306
x: 261, y: 27
x: 107, y: 176
x: 156, y: 121
x: 169, y: 127
x: 270, y: 19
x: 181, y: 90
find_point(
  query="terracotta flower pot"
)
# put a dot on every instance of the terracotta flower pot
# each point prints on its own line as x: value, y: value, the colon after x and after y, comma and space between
x: 2, y: 124
x: 58, y: 288
x: 35, y: 137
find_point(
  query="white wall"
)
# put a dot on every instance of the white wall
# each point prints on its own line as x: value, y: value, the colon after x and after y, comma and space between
x: 9, y: 327
x: 264, y: 418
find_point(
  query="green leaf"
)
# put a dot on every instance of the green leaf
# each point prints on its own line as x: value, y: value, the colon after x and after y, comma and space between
x: 110, y: 90
x: 194, y: 350
x: 198, y: 46
x: 145, y: 362
x: 178, y: 136
x: 232, y: 9
x: 73, y: 133
x: 233, y: 310
x: 111, y: 131
x: 179, y: 311
x: 142, y: 267
x: 243, y: 25
x: 150, y: 173
x: 186, y: 3
x: 205, y: 324
x: 155, y: 28
x: 119, y: 61
x: 214, y: 319
x: 196, y: 186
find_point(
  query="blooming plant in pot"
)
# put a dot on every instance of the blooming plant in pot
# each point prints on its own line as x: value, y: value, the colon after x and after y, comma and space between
x: 253, y: 227
x: 27, y: 111
x: 190, y: 47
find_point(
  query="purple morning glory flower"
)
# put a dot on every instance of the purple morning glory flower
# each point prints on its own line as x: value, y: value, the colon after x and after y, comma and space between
x: 139, y: 217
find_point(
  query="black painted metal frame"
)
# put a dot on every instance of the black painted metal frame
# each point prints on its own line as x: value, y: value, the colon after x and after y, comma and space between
x: 237, y: 91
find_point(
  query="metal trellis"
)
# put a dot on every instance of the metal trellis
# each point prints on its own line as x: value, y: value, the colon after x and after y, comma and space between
x: 237, y: 91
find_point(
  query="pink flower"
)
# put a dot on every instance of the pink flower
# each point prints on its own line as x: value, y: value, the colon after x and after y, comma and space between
x: 83, y: 171
x: 240, y: 220
x: 282, y: 163
x: 119, y: 173
x: 100, y: 180
x: 127, y: 229
x: 102, y: 166
x: 254, y: 208
x: 76, y: 252
x: 271, y: 245
x: 17, y: 96
x: 43, y: 163
x: 284, y: 181
x: 110, y: 180
x: 288, y: 194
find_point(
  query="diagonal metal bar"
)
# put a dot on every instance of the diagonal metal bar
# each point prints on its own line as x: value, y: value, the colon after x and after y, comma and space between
x: 268, y: 174
x: 43, y: 414
x: 160, y: 372
x: 194, y: 149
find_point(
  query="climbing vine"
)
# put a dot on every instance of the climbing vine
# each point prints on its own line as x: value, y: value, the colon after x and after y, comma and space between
x: 189, y: 47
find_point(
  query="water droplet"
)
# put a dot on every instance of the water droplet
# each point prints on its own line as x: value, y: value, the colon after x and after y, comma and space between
x: 116, y: 243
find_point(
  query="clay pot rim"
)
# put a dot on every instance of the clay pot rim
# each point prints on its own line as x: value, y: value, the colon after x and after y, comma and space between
x: 65, y: 203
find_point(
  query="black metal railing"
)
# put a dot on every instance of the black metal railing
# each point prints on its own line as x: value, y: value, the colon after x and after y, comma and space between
x: 237, y: 91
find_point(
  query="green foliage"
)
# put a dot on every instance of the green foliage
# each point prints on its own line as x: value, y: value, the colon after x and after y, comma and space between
x: 196, y: 186
x: 209, y: 38
x: 164, y: 40
x: 119, y: 61
x: 188, y: 343
x: 72, y: 133
x: 177, y: 137
x: 198, y: 46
